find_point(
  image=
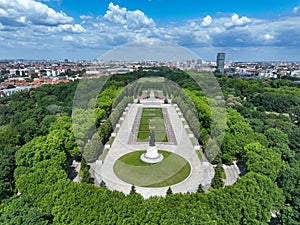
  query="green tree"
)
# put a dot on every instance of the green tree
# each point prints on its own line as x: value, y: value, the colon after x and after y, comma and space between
x: 169, y: 191
x: 200, y: 189
x: 7, y: 167
x: 17, y: 211
x: 102, y: 184
x: 85, y: 171
x: 276, y: 137
x: 295, y: 114
x: 217, y: 181
x: 132, y: 190
x: 263, y: 160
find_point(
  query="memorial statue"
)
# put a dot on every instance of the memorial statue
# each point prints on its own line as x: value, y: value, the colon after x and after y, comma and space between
x: 152, y: 138
x: 152, y: 155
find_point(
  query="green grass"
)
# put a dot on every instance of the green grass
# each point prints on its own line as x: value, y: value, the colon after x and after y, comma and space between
x: 199, y: 155
x: 143, y: 136
x: 103, y: 155
x: 160, y: 136
x: 172, y: 170
x: 111, y: 140
x: 145, y: 120
x: 152, y: 119
x: 144, y: 127
x: 152, y: 114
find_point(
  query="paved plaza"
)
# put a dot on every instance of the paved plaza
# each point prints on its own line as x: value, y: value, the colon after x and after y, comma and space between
x: 201, y: 172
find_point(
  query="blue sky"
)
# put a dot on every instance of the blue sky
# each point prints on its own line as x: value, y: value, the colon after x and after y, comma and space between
x: 57, y: 29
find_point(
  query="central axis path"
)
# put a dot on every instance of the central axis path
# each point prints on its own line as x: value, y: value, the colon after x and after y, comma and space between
x: 201, y: 172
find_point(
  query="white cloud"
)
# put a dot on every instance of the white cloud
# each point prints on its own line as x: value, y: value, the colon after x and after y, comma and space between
x: 120, y: 26
x: 296, y: 9
x: 268, y: 37
x: 69, y: 28
x: 115, y: 14
x: 3, y: 12
x: 237, y: 21
x: 207, y: 21
x: 129, y: 19
x: 32, y: 12
x: 84, y: 17
x: 68, y: 38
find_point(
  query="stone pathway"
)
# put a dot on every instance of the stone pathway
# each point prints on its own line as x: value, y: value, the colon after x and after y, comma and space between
x: 76, y: 165
x: 201, y: 172
x: 232, y: 173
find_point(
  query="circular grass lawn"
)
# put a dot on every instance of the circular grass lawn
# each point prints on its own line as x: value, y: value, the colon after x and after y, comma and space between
x: 172, y: 170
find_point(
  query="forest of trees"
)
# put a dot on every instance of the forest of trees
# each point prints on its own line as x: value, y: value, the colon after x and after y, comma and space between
x: 37, y: 144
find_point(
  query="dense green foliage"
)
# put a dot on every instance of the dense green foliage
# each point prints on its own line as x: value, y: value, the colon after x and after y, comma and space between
x: 37, y: 144
x: 281, y: 127
x: 24, y: 116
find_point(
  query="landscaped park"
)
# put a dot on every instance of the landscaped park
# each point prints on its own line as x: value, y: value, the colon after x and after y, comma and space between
x: 152, y: 120
x: 152, y: 166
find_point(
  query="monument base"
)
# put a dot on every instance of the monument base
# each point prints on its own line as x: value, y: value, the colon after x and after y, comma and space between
x: 151, y: 160
x: 152, y: 155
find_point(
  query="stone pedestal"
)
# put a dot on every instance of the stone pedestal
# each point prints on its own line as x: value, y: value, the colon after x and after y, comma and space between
x: 191, y: 135
x: 152, y: 155
x: 197, y: 147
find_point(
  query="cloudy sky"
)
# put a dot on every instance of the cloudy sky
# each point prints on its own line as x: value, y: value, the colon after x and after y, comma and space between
x: 58, y: 29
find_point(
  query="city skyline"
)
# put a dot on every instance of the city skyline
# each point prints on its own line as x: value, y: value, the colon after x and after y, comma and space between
x: 58, y: 29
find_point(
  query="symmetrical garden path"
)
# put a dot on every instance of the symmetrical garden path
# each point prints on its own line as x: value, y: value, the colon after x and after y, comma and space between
x: 201, y: 172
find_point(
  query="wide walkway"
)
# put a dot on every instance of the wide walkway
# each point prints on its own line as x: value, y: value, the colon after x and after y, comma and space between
x: 201, y: 172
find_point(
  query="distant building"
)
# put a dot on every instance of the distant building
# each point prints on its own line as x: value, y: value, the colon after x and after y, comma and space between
x: 220, y: 62
x: 9, y: 92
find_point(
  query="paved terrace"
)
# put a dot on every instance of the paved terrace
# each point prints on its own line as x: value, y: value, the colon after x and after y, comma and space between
x: 201, y: 172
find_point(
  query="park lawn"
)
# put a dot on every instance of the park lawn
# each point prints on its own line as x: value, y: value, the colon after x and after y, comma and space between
x: 157, y: 124
x: 148, y: 124
x: 199, y: 154
x: 143, y: 136
x: 145, y: 120
x: 144, y: 127
x: 152, y: 112
x: 172, y: 170
x: 103, y: 155
x: 152, y: 119
x: 179, y: 176
x: 160, y: 136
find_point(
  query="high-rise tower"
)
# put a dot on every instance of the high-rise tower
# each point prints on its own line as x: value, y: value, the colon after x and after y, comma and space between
x: 220, y: 62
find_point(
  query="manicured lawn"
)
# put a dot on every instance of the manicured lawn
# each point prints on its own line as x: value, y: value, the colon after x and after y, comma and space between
x: 172, y: 170
x: 152, y: 119
x: 143, y: 136
x: 199, y: 155
x: 160, y: 136
x: 144, y: 127
x: 103, y: 155
x: 152, y: 113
